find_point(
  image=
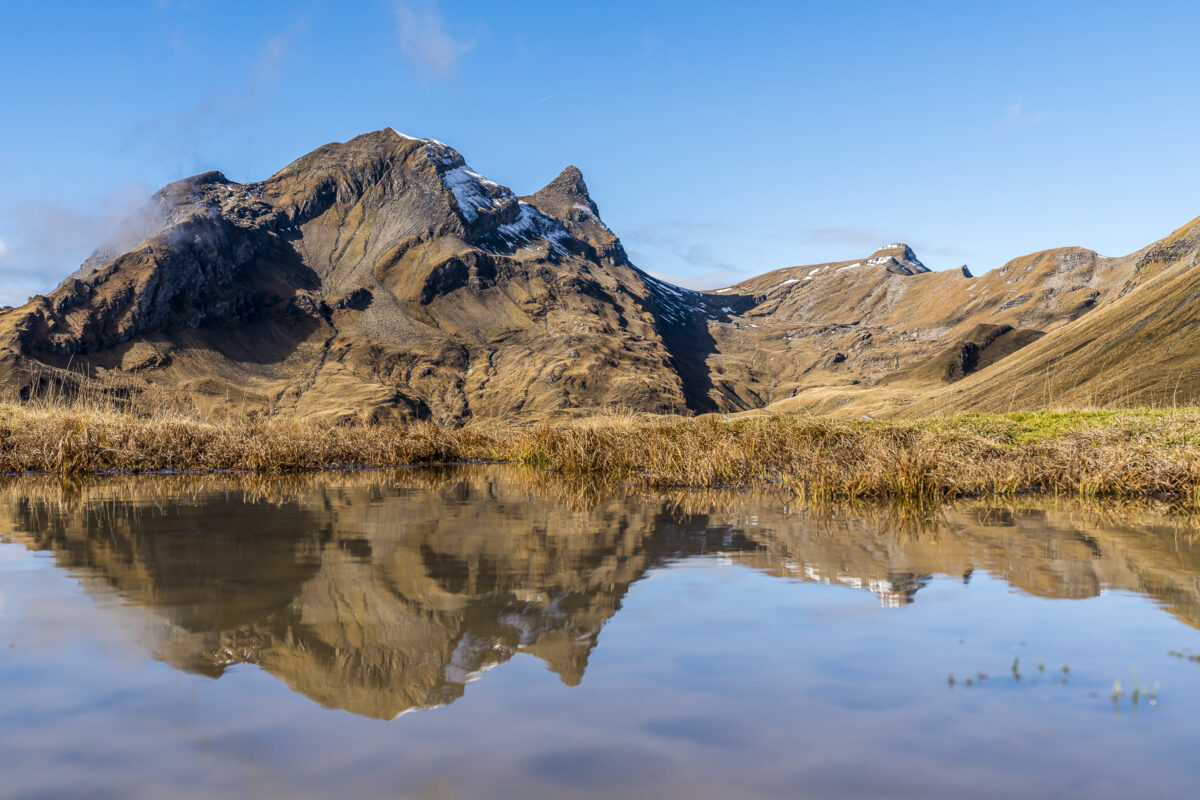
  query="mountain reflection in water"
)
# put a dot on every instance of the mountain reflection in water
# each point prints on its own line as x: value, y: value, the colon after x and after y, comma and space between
x: 381, y: 593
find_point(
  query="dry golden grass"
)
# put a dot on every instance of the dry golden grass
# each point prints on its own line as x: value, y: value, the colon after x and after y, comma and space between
x: 1102, y: 454
x: 1094, y: 454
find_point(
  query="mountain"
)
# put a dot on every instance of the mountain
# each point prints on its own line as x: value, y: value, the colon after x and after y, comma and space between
x: 1140, y: 349
x: 873, y: 335
x: 378, y: 278
x: 382, y: 278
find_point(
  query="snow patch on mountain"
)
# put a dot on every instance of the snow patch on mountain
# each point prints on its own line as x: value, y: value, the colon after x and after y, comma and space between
x: 475, y: 195
x: 529, y: 227
x: 471, y: 191
x: 678, y: 304
x: 906, y: 257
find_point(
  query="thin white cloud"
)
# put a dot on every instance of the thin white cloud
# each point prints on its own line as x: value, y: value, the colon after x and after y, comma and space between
x: 424, y: 40
x: 178, y: 140
x: 1018, y: 116
x: 50, y: 237
x: 674, y: 243
x: 677, y: 233
x: 840, y: 234
x: 707, y: 280
x: 679, y: 238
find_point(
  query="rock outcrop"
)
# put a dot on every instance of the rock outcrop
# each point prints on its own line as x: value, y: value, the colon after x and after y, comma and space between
x: 377, y: 278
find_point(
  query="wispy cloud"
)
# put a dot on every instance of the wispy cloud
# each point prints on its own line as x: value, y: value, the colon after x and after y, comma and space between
x: 677, y: 233
x: 1018, y: 115
x: 178, y: 139
x: 50, y: 238
x: 424, y: 40
x: 859, y: 241
x: 52, y: 234
x: 846, y: 235
x: 713, y: 279
x: 679, y: 243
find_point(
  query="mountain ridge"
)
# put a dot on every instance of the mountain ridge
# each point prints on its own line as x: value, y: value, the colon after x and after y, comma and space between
x: 383, y: 278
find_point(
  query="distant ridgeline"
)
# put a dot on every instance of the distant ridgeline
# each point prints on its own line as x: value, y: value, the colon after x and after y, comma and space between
x: 382, y: 278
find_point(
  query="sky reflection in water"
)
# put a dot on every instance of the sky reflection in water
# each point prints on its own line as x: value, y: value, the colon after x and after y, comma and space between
x: 486, y: 632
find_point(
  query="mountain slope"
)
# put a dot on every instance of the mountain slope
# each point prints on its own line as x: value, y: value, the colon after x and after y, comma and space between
x: 376, y: 278
x: 382, y: 278
x: 866, y: 335
x: 1139, y: 349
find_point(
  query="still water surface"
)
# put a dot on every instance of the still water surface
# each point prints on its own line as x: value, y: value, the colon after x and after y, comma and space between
x: 485, y: 632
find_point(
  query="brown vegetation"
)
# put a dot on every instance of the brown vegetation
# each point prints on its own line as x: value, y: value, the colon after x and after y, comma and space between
x: 1110, y: 454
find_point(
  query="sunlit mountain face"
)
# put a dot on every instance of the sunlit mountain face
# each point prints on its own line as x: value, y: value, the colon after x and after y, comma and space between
x: 382, y: 278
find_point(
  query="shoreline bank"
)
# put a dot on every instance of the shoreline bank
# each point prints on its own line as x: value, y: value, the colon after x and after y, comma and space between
x: 1128, y: 453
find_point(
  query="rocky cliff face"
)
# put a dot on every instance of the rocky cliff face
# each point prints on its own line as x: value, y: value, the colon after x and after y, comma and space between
x: 382, y: 278
x: 376, y: 278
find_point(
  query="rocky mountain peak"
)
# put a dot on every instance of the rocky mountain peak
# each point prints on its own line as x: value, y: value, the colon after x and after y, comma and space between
x: 366, y: 153
x: 569, y: 186
x: 898, y: 257
x: 382, y: 277
x: 567, y: 190
x: 566, y: 198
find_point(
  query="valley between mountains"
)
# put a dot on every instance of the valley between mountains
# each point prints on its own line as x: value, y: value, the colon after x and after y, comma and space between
x: 381, y: 279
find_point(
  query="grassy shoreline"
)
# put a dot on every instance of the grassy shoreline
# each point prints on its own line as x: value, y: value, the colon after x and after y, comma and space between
x: 1133, y: 453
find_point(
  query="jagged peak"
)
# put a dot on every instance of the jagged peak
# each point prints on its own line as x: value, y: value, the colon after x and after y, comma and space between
x: 374, y: 147
x: 474, y: 195
x: 187, y: 186
x: 568, y: 187
x: 900, y: 253
x: 569, y: 181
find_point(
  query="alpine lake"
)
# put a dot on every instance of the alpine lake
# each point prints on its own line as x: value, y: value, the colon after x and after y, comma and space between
x: 491, y: 632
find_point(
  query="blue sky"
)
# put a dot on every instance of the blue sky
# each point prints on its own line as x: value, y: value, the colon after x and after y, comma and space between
x: 720, y: 140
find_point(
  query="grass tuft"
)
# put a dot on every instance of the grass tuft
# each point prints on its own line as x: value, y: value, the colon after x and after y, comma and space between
x: 1089, y: 454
